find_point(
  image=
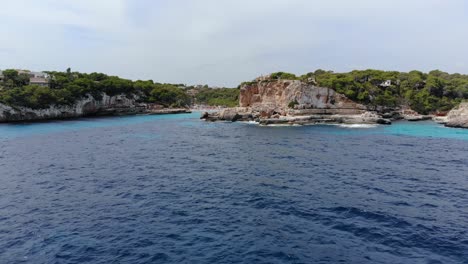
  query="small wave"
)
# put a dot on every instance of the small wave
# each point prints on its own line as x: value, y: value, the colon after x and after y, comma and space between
x: 375, y: 216
x: 282, y: 125
x: 250, y: 122
x: 358, y: 125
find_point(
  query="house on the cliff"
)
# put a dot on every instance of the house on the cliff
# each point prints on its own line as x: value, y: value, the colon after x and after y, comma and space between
x: 386, y: 84
x: 37, y: 78
x: 41, y: 81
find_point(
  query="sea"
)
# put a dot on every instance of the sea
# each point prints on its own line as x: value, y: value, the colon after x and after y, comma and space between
x: 176, y: 189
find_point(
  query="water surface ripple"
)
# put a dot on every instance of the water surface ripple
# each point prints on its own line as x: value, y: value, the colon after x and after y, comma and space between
x: 173, y: 189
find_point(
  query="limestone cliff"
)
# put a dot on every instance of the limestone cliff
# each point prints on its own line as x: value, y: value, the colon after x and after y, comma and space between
x: 293, y: 97
x: 294, y: 102
x: 84, y: 107
x: 89, y: 106
x: 458, y: 117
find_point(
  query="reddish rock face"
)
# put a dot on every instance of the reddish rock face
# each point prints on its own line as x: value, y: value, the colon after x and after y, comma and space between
x: 270, y: 102
x: 276, y: 95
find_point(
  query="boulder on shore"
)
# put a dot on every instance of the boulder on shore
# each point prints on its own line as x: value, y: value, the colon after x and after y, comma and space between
x: 458, y: 117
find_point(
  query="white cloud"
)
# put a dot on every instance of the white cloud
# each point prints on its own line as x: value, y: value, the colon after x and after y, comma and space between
x: 224, y: 42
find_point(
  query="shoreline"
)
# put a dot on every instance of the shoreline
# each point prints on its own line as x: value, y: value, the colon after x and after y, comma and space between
x: 263, y: 123
x: 168, y: 111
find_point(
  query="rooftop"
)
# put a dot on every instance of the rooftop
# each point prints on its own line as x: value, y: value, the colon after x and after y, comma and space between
x: 38, y: 80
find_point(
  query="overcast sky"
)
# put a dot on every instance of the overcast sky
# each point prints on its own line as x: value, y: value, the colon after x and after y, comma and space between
x: 225, y: 42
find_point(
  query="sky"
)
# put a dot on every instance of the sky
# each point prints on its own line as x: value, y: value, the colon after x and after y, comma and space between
x: 225, y: 42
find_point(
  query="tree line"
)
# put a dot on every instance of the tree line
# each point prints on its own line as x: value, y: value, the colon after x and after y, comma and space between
x: 65, y: 88
x: 425, y: 93
x: 432, y: 92
x: 227, y: 97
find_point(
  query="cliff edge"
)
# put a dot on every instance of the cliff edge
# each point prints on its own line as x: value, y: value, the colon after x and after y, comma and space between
x: 89, y: 106
x: 270, y: 101
x: 458, y: 117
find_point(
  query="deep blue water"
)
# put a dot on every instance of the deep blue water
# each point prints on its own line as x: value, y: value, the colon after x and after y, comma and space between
x: 173, y: 189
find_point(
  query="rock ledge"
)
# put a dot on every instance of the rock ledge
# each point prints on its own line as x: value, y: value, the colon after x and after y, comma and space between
x: 293, y: 102
x: 458, y: 117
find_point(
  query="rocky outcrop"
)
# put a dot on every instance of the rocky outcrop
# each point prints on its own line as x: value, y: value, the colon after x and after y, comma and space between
x: 167, y: 111
x: 408, y: 114
x: 294, y: 102
x: 295, y: 98
x: 231, y: 114
x: 458, y: 117
x: 107, y: 105
x: 365, y: 118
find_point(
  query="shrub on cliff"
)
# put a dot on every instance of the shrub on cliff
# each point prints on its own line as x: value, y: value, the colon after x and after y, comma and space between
x: 32, y: 96
x: 283, y: 76
x: 293, y: 104
x: 246, y: 84
x: 14, y: 79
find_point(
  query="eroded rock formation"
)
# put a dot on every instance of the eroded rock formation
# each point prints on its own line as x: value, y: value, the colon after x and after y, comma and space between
x: 458, y: 117
x: 294, y: 102
x: 107, y: 105
x: 283, y: 96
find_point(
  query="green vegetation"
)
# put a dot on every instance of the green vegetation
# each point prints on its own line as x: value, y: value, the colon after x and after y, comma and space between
x: 283, y: 76
x: 13, y: 79
x: 423, y: 92
x: 65, y: 88
x: 168, y: 95
x: 228, y: 97
x: 246, y: 84
x: 292, y: 104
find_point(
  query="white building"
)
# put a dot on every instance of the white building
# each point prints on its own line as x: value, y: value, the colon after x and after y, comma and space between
x: 387, y: 83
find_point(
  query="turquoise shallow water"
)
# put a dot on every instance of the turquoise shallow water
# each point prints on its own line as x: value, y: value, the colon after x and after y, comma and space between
x: 14, y: 130
x: 175, y: 189
x: 399, y: 128
x: 426, y: 129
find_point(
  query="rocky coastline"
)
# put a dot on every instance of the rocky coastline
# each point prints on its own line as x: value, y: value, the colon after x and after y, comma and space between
x: 293, y: 102
x: 247, y: 114
x: 265, y: 101
x: 117, y: 105
x: 458, y: 117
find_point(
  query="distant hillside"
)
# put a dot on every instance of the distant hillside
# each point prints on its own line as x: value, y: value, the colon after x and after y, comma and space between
x: 66, y: 88
x: 227, y: 97
x: 423, y: 92
x: 39, y: 90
